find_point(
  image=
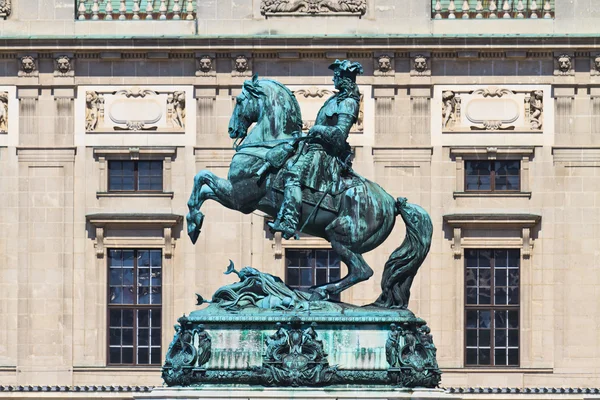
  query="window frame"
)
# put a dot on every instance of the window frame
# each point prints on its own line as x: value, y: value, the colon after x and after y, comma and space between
x: 492, y: 307
x: 314, y: 267
x: 135, y: 307
x: 492, y: 177
x: 473, y: 153
x: 136, y: 176
x: 104, y: 155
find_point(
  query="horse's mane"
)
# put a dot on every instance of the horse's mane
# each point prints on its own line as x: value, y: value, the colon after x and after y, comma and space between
x: 255, y: 88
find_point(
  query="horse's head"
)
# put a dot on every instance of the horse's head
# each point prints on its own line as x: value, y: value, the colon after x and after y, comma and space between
x: 246, y: 110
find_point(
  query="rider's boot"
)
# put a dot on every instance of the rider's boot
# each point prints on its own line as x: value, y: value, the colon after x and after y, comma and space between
x: 289, y: 214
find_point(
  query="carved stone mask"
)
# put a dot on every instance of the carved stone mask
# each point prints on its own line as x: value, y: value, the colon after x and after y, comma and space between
x: 27, y: 64
x: 420, y: 64
x: 564, y: 63
x: 63, y: 64
x: 241, y: 64
x: 205, y: 64
x: 385, y: 63
x: 597, y: 63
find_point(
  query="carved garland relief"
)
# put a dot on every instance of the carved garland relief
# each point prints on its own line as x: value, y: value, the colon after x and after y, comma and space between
x: 313, y: 7
x: 135, y: 109
x: 492, y: 109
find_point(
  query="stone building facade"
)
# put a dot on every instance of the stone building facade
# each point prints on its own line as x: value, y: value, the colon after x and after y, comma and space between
x: 486, y: 113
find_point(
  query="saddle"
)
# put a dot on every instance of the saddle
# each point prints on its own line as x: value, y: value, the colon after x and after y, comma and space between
x: 329, y: 201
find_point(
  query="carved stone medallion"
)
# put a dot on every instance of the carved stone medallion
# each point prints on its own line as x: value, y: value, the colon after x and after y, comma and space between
x: 384, y: 65
x: 205, y: 66
x: 595, y: 65
x: 420, y: 65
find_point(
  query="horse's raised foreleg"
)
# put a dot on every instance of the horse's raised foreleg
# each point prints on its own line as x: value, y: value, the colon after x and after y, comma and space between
x: 358, y: 271
x: 207, y: 186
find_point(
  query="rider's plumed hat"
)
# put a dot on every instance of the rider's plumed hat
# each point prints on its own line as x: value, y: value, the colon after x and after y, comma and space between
x: 347, y: 68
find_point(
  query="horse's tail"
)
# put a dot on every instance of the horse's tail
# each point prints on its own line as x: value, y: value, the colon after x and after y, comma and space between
x: 403, y: 264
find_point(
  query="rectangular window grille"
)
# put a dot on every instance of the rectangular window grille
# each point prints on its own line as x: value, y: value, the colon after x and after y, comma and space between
x: 309, y: 267
x: 134, y: 307
x: 492, y: 307
x: 492, y: 176
x: 135, y: 176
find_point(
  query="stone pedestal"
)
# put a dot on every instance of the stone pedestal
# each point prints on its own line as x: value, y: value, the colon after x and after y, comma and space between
x: 260, y: 393
x: 322, y: 344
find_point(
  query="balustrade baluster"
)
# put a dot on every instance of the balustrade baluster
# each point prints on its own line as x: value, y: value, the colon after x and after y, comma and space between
x: 136, y: 9
x: 108, y: 9
x: 547, y: 9
x: 533, y: 8
x: 438, y: 10
x: 81, y: 10
x: 520, y: 9
x: 492, y: 9
x: 190, y: 10
x: 451, y: 10
x: 149, y: 9
x: 176, y: 9
x: 95, y: 10
x: 506, y: 9
x: 479, y: 10
x: 466, y: 9
x: 122, y: 10
x: 162, y: 9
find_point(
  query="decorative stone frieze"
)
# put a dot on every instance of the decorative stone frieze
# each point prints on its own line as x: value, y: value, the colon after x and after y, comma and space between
x: 564, y: 64
x: 28, y: 66
x: 205, y: 65
x: 135, y: 109
x: 492, y: 109
x: 5, y: 8
x: 420, y: 65
x: 242, y: 65
x: 3, y: 112
x: 63, y: 65
x: 384, y: 65
x: 313, y: 7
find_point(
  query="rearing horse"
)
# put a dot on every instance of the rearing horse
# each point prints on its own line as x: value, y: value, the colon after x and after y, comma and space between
x: 366, y: 214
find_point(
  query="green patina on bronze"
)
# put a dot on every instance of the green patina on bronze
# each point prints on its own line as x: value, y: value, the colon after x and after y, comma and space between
x: 306, y: 182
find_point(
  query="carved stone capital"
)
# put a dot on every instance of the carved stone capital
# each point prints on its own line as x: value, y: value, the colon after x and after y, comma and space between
x: 595, y: 65
x: 384, y: 65
x: 28, y: 65
x: 241, y: 65
x: 206, y: 65
x: 64, y: 65
x: 420, y: 64
x: 564, y: 64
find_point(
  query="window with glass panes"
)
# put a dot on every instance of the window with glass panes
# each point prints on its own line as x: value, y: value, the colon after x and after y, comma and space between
x: 134, y: 306
x: 492, y: 307
x: 309, y: 267
x: 134, y: 176
x: 492, y: 176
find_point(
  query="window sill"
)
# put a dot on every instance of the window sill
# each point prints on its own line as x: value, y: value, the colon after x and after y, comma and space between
x: 492, y: 194
x: 134, y: 194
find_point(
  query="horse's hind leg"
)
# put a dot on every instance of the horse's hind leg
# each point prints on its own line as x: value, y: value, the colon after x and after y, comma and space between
x: 358, y: 271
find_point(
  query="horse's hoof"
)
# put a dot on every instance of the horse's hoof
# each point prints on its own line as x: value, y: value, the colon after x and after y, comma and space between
x: 194, y: 224
x: 318, y: 294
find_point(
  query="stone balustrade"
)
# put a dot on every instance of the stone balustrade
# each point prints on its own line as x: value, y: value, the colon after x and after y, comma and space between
x: 492, y: 9
x: 122, y: 10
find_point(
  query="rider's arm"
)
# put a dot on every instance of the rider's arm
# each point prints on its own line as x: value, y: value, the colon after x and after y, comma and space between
x: 337, y: 134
